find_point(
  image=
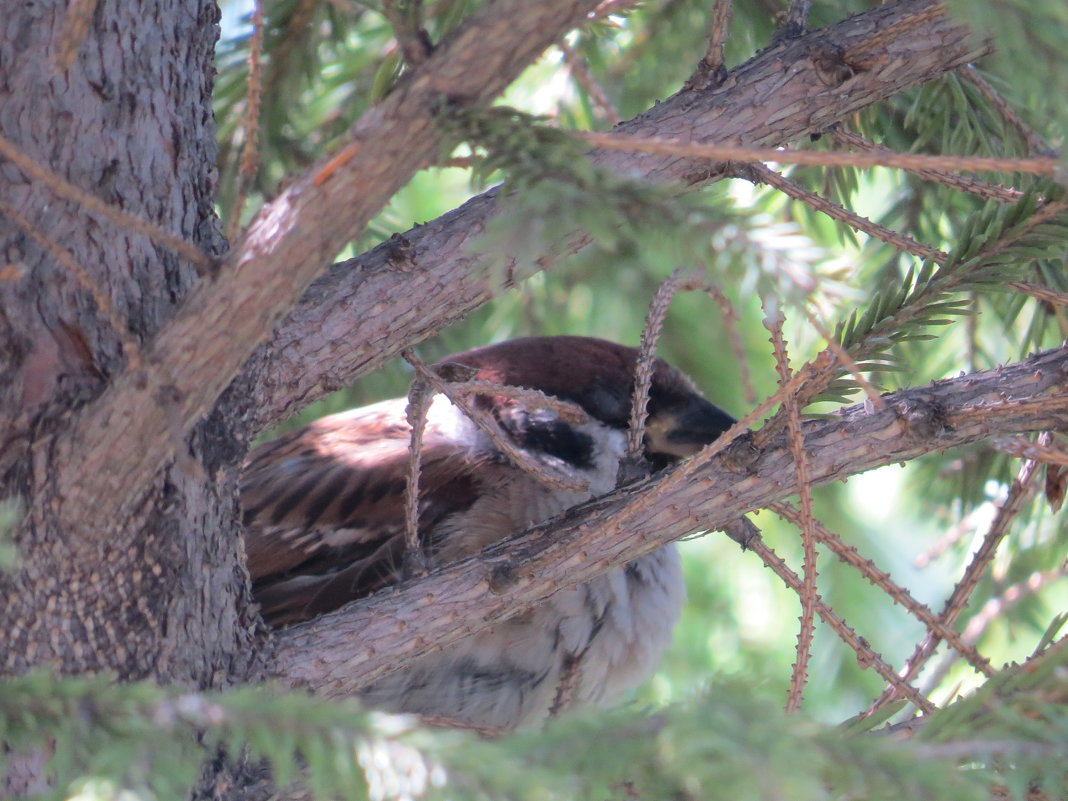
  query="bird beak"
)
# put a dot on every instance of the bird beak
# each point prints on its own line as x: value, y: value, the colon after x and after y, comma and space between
x: 683, y: 430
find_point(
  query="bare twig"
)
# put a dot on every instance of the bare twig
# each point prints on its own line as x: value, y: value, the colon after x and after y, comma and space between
x: 866, y: 656
x: 580, y: 71
x: 992, y: 610
x: 1019, y: 492
x: 608, y: 141
x: 729, y: 316
x: 420, y: 396
x: 68, y: 191
x: 250, y: 154
x: 1042, y: 293
x: 961, y: 183
x: 646, y: 363
x: 773, y: 321
x: 567, y: 411
x: 760, y: 173
x: 1047, y: 453
x: 713, y: 62
x: 881, y: 579
x: 1034, y: 142
x: 67, y: 262
x: 545, y: 473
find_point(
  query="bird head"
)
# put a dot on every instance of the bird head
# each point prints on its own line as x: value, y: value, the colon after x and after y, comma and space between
x: 598, y: 376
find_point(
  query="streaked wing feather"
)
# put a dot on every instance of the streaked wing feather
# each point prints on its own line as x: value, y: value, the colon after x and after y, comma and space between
x: 324, y: 507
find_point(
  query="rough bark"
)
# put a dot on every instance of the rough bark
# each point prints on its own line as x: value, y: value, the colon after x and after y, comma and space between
x: 129, y: 121
x: 365, y: 310
x: 337, y: 653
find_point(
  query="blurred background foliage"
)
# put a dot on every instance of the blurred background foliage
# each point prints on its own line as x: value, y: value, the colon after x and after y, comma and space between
x: 326, y: 61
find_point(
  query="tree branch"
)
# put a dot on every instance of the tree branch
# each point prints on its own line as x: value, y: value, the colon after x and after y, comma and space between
x: 337, y: 653
x: 366, y: 310
x: 116, y: 448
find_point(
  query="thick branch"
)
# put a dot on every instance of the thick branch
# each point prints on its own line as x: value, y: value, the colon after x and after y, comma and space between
x: 336, y: 653
x: 129, y: 433
x: 364, y: 311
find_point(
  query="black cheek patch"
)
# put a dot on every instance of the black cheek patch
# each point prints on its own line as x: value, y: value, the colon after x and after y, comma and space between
x: 543, y: 431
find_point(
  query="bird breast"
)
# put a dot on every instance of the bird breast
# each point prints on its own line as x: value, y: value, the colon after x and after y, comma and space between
x: 586, y: 644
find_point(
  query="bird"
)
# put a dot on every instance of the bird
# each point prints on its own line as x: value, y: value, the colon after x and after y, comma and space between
x: 324, y: 524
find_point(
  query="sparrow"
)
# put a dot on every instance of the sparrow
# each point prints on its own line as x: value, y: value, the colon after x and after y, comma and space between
x: 324, y: 525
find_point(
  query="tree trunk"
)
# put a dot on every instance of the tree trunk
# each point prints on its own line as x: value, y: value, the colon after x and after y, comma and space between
x: 156, y: 595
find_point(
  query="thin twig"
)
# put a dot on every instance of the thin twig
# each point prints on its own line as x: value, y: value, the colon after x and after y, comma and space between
x: 645, y: 364
x: 847, y: 362
x: 760, y: 173
x: 992, y: 610
x: 129, y: 348
x: 881, y: 579
x: 1042, y: 293
x: 420, y: 396
x: 1042, y: 165
x: 729, y: 316
x: 1022, y: 448
x: 713, y: 62
x: 549, y: 476
x: 250, y: 123
x: 68, y: 191
x: 958, y: 599
x: 773, y: 321
x: 1035, y: 143
x: 961, y: 183
x: 866, y: 656
x: 566, y: 410
x: 580, y: 71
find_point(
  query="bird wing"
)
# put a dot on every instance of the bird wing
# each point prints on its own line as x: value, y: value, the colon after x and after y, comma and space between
x: 324, y: 520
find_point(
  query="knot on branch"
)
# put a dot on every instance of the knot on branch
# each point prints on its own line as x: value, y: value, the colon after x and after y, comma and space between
x: 502, y: 577
x: 924, y: 418
x: 742, y: 455
x: 401, y: 253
